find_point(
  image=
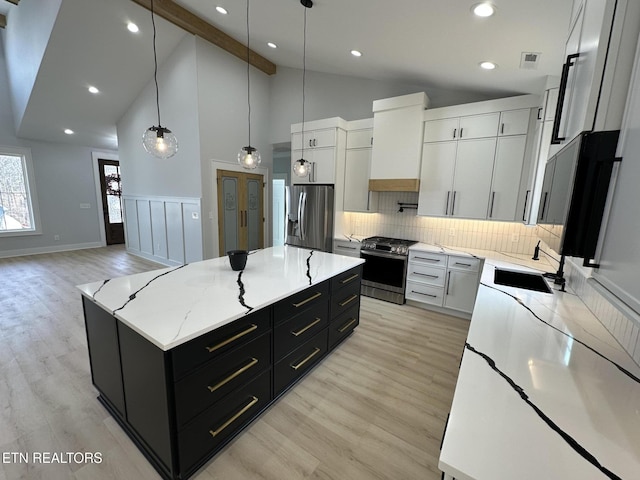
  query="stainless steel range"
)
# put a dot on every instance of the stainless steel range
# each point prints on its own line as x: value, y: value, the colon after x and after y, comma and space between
x: 385, y: 268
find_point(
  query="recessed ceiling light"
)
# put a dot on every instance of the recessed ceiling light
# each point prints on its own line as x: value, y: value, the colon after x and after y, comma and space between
x: 93, y: 89
x: 356, y: 53
x: 132, y: 27
x: 221, y: 10
x: 488, y: 65
x: 483, y: 9
x: 272, y: 45
x: 68, y: 131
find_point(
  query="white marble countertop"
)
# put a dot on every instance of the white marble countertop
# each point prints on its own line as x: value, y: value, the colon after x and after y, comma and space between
x: 173, y: 305
x: 543, y: 392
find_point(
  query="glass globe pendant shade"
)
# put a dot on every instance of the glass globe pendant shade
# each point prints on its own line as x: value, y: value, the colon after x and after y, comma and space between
x: 160, y: 142
x: 249, y: 158
x: 301, y: 168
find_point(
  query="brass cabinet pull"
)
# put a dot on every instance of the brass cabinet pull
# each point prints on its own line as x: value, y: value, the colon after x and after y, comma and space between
x: 347, y: 325
x: 309, y: 357
x: 253, y: 401
x: 233, y: 375
x: 347, y: 280
x: 302, y: 330
x: 348, y: 300
x: 312, y: 297
x: 232, y: 339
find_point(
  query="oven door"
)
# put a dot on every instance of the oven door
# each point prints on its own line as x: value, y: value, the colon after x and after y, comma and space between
x: 384, y: 270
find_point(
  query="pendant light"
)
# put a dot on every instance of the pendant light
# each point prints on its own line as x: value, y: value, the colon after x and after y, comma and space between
x: 158, y: 141
x: 301, y: 167
x: 249, y: 157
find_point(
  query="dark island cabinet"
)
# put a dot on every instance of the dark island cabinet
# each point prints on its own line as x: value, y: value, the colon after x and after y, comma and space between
x: 182, y: 406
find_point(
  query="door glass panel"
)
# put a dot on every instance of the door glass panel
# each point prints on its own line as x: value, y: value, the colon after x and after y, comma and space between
x: 113, y: 190
x: 230, y: 199
x: 253, y: 213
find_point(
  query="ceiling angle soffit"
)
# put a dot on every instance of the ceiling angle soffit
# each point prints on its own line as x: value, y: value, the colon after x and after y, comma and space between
x: 15, y: 2
x: 195, y: 25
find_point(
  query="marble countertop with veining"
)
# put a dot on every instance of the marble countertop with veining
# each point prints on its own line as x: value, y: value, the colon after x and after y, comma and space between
x: 543, y: 391
x: 173, y: 305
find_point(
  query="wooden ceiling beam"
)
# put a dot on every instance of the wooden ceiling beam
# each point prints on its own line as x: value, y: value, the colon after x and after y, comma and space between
x: 3, y: 21
x: 195, y: 25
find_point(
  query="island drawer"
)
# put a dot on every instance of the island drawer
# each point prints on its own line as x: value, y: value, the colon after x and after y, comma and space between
x: 428, y: 258
x: 343, y: 325
x: 294, y: 332
x: 221, y: 340
x: 344, y: 299
x: 421, y: 292
x: 298, y: 362
x: 211, y: 429
x: 426, y: 274
x: 469, y: 264
x: 209, y: 383
x: 350, y: 277
x: 285, y: 309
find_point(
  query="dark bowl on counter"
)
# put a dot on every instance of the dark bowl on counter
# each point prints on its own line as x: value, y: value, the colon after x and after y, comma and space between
x: 237, y: 259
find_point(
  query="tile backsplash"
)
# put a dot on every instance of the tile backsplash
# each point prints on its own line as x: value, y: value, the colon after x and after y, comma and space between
x: 508, y: 237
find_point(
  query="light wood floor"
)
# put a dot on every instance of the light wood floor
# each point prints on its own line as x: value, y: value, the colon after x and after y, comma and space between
x: 374, y: 409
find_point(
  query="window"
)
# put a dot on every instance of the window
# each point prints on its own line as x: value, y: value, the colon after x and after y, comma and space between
x: 17, y: 201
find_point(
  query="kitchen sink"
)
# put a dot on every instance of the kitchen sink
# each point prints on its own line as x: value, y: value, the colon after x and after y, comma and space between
x: 514, y: 278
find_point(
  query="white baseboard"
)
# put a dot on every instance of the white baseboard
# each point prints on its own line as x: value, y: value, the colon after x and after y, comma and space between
x: 50, y: 249
x: 153, y: 258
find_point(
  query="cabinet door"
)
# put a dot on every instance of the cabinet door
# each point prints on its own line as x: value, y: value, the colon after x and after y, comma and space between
x: 479, y: 126
x: 460, y: 290
x: 514, y: 122
x: 472, y: 178
x: 323, y: 165
x: 441, y: 130
x: 507, y: 171
x: 297, y: 140
x: 550, y: 104
x: 436, y: 179
x: 360, y: 138
x: 356, y: 180
x: 543, y: 208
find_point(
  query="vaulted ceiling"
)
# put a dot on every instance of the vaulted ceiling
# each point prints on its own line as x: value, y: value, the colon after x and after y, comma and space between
x: 434, y: 43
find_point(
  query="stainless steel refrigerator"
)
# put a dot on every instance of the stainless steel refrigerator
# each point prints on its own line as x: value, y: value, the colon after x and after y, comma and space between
x: 309, y: 216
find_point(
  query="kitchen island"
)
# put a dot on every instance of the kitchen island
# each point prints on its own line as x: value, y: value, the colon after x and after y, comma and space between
x: 543, y: 392
x: 186, y: 357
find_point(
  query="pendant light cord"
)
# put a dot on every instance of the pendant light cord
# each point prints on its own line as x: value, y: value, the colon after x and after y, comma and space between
x: 155, y: 60
x: 304, y: 72
x: 248, y: 76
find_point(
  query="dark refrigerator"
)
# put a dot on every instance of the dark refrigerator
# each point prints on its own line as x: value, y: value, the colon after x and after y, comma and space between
x: 309, y: 216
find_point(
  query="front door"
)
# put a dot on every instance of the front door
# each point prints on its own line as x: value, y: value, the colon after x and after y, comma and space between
x: 240, y: 211
x: 111, y: 188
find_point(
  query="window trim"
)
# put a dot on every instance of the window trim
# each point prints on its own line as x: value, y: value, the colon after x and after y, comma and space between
x: 25, y: 153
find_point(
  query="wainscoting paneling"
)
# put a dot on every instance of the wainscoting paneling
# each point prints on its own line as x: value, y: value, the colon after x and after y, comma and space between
x: 167, y: 230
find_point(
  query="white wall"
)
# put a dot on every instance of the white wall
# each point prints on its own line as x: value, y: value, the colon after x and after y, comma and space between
x: 178, y: 176
x: 223, y: 123
x: 329, y: 95
x: 34, y: 20
x: 64, y: 179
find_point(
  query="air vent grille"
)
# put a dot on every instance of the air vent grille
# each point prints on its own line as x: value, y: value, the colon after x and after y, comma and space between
x: 530, y: 60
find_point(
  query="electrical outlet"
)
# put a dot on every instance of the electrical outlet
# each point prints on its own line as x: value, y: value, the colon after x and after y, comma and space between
x: 515, y: 238
x: 195, y: 215
x: 452, y: 232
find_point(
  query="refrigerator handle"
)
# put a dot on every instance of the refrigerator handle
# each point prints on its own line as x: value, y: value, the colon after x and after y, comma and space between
x: 555, y: 136
x: 287, y: 201
x: 302, y: 217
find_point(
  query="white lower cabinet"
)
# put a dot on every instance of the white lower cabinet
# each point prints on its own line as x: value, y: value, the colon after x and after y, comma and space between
x: 447, y: 282
x: 346, y: 247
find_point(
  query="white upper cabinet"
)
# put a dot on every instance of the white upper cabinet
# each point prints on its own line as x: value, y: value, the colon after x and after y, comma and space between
x: 360, y: 138
x: 507, y: 171
x: 441, y: 130
x: 472, y: 180
x: 314, y: 139
x: 514, y: 122
x: 479, y: 126
x: 436, y: 180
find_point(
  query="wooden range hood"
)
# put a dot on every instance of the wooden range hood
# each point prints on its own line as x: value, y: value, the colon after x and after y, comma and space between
x: 395, y: 185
